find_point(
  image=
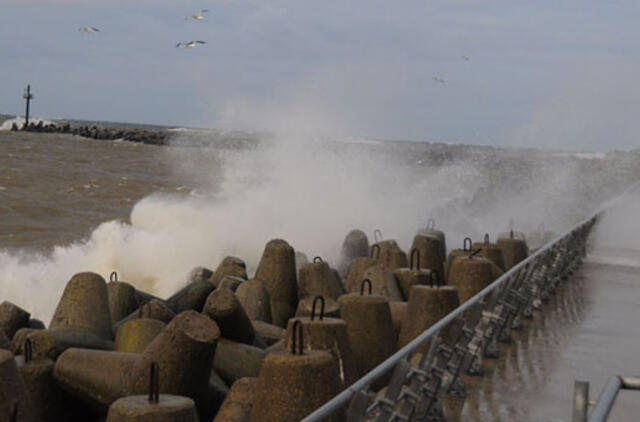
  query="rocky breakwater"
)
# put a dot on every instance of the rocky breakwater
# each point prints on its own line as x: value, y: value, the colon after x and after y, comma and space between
x: 153, y: 136
x: 226, y: 346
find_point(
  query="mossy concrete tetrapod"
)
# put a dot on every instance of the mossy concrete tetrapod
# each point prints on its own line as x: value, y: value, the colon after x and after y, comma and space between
x: 317, y: 279
x: 169, y: 408
x: 230, y: 266
x: 370, y: 328
x: 355, y: 245
x: 12, y: 318
x: 328, y: 334
x: 254, y: 298
x: 134, y: 336
x: 291, y: 386
x: 277, y: 268
x: 84, y: 306
x: 513, y: 249
x: 237, y: 405
x: 13, y: 389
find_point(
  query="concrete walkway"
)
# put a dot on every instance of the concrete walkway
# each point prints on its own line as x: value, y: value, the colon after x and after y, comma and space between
x: 589, y: 330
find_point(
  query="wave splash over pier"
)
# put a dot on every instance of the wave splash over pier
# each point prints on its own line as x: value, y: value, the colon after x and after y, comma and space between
x: 231, y: 194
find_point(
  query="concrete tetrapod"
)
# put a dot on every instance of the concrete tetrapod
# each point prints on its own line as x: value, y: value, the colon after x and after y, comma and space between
x: 383, y: 282
x: 277, y: 268
x: 414, y: 275
x: 317, y: 279
x: 254, y: 297
x: 199, y: 274
x: 491, y: 251
x: 84, y: 306
x: 466, y: 250
x: 168, y: 408
x: 430, y: 248
x: 237, y: 406
x: 305, y: 307
x: 230, y: 282
x: 13, y: 389
x: 514, y: 250
x: 190, y: 297
x: 470, y: 275
x: 292, y: 384
x: 12, y: 318
x: 431, y: 230
x: 134, y: 336
x: 355, y: 245
x: 270, y: 333
x: 390, y: 255
x: 225, y: 309
x: 18, y: 340
x: 183, y: 350
x: 234, y: 360
x: 122, y: 299
x: 4, y: 341
x: 356, y: 273
x: 46, y: 396
x: 328, y: 334
x: 398, y: 312
x: 370, y: 328
x: 426, y: 306
x: 230, y: 266
x: 154, y: 309
x: 49, y: 344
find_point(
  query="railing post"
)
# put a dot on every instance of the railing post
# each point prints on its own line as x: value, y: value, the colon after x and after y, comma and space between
x: 580, y: 401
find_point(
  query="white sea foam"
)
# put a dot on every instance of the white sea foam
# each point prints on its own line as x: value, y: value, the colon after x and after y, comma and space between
x: 19, y: 121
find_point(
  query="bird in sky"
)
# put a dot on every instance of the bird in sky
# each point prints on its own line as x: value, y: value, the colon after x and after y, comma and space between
x: 88, y: 29
x: 465, y: 58
x: 437, y: 79
x: 190, y: 44
x: 198, y: 16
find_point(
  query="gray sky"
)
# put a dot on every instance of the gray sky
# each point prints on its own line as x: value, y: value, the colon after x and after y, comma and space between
x: 540, y: 73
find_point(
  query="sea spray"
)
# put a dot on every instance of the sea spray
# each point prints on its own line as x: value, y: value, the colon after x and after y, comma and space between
x: 311, y: 192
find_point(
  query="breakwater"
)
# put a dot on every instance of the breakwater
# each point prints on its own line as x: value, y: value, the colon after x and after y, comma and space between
x: 133, y: 134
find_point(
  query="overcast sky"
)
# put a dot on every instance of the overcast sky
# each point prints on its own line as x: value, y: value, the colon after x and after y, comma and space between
x: 540, y: 73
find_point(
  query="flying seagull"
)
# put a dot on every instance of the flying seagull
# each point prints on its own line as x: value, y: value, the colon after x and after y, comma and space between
x: 190, y: 44
x: 437, y: 79
x: 88, y: 29
x: 465, y: 58
x: 198, y: 16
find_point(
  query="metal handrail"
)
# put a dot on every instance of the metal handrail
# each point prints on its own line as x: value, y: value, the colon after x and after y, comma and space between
x: 607, y: 398
x: 341, y: 399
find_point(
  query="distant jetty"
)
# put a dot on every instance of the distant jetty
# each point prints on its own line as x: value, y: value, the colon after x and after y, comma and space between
x: 133, y: 134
